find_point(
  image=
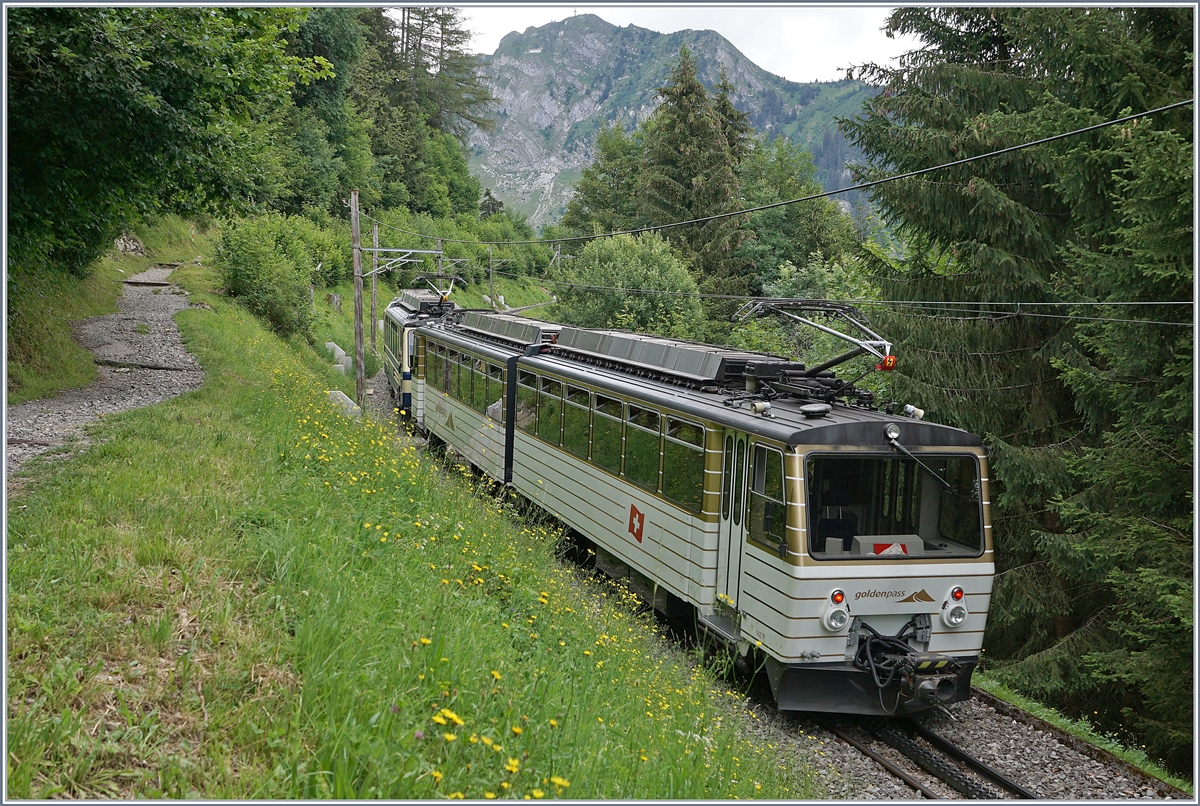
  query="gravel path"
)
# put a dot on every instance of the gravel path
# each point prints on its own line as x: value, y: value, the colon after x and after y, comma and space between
x: 141, y: 334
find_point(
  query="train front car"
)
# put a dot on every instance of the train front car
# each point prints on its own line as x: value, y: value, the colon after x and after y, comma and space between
x: 875, y: 596
x: 844, y: 549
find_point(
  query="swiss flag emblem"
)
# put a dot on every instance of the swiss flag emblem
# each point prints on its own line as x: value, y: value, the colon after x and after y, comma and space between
x: 637, y: 522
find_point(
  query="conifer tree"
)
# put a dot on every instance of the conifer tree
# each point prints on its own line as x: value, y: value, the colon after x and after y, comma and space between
x: 688, y: 173
x: 1091, y: 447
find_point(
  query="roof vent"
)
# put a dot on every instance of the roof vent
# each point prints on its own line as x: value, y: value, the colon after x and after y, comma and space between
x: 814, y: 410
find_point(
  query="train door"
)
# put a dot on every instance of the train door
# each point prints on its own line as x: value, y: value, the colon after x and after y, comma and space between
x: 734, y: 478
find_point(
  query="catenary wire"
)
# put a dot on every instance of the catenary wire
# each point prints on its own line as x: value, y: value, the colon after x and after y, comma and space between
x: 746, y: 211
x: 951, y: 307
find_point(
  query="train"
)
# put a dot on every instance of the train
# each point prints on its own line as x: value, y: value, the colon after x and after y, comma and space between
x: 841, y: 546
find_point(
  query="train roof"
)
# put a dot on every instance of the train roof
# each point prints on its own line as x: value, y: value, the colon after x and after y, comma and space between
x: 415, y: 301
x: 702, y: 380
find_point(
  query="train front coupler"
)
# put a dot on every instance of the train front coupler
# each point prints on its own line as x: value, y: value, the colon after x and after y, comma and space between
x: 928, y: 677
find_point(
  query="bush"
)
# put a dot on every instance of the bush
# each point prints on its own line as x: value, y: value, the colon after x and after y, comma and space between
x: 269, y: 263
x: 600, y: 287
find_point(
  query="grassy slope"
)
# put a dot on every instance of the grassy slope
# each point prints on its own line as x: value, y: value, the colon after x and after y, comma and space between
x: 307, y: 607
x: 229, y: 627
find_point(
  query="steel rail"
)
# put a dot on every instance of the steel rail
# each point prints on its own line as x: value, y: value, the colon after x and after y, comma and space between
x: 883, y: 762
x: 954, y: 751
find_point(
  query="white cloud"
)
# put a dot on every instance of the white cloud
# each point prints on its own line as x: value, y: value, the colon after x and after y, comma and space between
x: 798, y: 42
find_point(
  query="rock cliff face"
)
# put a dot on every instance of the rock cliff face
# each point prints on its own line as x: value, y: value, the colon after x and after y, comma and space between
x: 559, y: 83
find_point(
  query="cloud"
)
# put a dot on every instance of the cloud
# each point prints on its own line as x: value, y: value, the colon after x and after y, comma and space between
x: 801, y: 43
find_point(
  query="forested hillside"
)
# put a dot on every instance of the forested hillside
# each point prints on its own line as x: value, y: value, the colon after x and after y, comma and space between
x: 1040, y: 298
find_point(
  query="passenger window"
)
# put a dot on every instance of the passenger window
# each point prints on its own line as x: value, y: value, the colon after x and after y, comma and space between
x: 739, y: 477
x: 726, y: 473
x: 479, y: 394
x: 606, y: 434
x: 495, y: 392
x: 526, y: 413
x: 642, y: 447
x: 768, y: 513
x: 683, y: 463
x: 550, y: 411
x: 576, y: 414
x: 452, y: 359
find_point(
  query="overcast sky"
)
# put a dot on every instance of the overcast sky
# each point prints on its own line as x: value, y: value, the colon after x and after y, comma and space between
x: 799, y: 42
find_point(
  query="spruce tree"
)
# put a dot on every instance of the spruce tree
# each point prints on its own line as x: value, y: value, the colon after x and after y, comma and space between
x: 688, y: 173
x: 1087, y: 420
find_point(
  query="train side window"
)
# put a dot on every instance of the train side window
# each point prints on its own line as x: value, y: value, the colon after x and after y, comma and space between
x: 452, y: 372
x: 683, y: 463
x: 431, y: 361
x: 739, y: 476
x: 642, y: 447
x: 479, y: 395
x: 726, y: 473
x: 576, y: 414
x: 550, y: 411
x: 436, y: 374
x: 462, y: 384
x: 768, y: 514
x: 495, y: 391
x: 526, y: 413
x: 606, y: 433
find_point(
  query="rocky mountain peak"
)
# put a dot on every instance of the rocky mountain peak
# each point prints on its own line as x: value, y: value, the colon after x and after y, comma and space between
x: 556, y: 85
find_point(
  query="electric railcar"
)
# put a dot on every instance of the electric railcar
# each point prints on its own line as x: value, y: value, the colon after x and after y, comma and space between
x: 401, y: 318
x: 846, y: 549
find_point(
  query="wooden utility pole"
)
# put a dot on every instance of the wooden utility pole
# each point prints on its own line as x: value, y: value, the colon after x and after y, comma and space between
x: 491, y: 286
x: 374, y: 269
x: 360, y: 381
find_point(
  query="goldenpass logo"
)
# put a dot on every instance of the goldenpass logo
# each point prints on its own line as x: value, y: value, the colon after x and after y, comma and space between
x: 874, y: 594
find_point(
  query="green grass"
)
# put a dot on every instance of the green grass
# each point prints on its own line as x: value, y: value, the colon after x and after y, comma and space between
x: 1083, y: 729
x: 517, y: 293
x: 309, y: 607
x: 43, y: 358
x: 329, y: 325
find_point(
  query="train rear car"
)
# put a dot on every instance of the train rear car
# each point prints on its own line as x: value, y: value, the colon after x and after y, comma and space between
x: 400, y: 320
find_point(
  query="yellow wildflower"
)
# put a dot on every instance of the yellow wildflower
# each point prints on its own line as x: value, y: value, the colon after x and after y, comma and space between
x: 426, y: 641
x: 437, y: 776
x: 516, y: 730
x: 438, y: 718
x: 495, y: 675
x: 558, y: 780
x: 453, y: 717
x: 513, y: 765
x: 537, y: 793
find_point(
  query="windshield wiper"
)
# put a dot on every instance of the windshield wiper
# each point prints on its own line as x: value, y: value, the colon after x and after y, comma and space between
x: 924, y: 467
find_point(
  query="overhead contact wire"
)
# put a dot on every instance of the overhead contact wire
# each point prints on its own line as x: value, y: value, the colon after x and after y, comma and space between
x: 773, y: 205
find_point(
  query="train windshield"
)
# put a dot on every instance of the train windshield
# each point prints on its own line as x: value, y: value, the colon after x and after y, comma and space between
x: 873, y: 506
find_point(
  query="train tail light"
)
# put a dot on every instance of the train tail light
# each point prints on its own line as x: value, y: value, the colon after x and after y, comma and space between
x: 836, y: 616
x: 954, y: 608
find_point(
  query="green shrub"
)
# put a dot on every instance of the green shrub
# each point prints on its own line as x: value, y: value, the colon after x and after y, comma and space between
x: 270, y: 262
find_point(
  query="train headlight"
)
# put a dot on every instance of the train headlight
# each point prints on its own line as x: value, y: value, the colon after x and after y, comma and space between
x: 836, y: 619
x: 892, y: 431
x: 954, y: 615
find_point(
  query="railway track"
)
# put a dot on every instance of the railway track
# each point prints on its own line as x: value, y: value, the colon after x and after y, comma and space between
x: 948, y: 763
x: 935, y: 767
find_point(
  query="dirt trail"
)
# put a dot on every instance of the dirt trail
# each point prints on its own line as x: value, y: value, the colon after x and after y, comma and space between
x: 141, y: 359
